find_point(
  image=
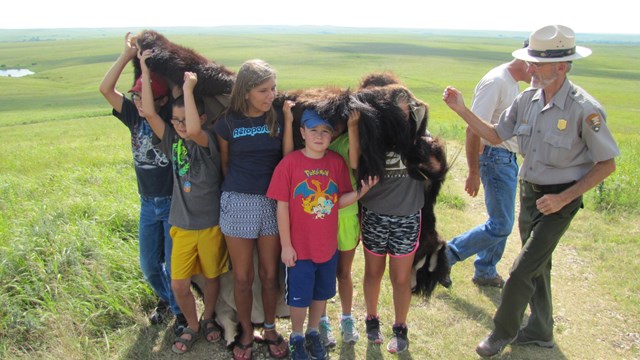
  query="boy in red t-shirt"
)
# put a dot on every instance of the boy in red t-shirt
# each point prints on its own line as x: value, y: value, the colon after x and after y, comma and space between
x: 310, y: 186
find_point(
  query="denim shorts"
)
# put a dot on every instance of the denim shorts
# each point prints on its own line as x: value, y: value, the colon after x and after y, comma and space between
x: 247, y: 216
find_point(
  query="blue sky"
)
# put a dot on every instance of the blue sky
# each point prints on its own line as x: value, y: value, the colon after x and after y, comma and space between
x: 587, y: 16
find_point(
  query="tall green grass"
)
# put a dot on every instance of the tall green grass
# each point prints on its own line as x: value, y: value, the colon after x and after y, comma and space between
x: 69, y: 234
x: 70, y: 285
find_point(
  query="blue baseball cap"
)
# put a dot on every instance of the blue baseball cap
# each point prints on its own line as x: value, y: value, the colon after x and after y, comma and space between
x: 311, y: 119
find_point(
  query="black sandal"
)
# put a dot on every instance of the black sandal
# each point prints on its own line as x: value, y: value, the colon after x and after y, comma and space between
x: 208, y: 330
x: 277, y: 342
x: 188, y: 343
x: 242, y: 347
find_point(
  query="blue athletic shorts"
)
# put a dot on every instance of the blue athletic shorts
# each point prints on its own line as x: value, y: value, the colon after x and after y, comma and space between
x: 307, y: 281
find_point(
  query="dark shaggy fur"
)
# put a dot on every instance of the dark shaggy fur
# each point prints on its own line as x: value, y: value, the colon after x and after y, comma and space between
x: 425, y: 159
x: 383, y: 123
x: 379, y: 80
x: 333, y: 104
x: 382, y: 127
x: 171, y: 61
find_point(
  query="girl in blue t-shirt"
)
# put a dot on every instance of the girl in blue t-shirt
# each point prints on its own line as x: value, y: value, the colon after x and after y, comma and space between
x: 250, y: 134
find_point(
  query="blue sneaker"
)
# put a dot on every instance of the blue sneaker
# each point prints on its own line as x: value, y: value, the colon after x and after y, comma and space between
x: 315, y: 346
x: 298, y: 350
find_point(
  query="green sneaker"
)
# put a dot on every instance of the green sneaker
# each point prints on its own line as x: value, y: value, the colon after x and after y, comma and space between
x: 326, y: 334
x: 349, y: 331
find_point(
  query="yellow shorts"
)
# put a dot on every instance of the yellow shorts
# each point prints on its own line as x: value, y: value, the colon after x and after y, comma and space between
x: 198, y: 251
x: 348, y: 232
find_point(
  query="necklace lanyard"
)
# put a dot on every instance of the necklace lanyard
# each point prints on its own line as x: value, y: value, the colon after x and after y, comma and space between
x: 182, y: 164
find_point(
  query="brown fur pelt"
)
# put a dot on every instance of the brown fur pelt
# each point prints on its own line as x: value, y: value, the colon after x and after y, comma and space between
x: 331, y: 103
x: 172, y: 60
x: 425, y: 159
x: 383, y: 127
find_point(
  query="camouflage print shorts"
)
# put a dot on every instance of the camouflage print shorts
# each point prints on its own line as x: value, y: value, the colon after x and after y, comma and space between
x: 390, y: 234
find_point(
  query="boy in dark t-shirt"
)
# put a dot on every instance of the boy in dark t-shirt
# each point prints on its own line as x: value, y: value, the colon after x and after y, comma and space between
x: 155, y: 182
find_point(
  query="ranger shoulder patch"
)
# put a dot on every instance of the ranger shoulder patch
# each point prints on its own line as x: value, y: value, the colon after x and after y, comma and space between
x: 594, y: 121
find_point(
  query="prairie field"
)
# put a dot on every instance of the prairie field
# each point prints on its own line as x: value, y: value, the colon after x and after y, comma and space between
x: 70, y: 283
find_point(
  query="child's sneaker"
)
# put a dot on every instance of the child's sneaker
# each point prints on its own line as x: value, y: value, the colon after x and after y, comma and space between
x: 179, y: 324
x: 399, y: 342
x: 373, y: 329
x: 315, y: 347
x: 349, y: 331
x: 160, y: 312
x: 298, y: 350
x: 326, y: 334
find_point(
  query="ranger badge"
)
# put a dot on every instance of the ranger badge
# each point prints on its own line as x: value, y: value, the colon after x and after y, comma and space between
x: 562, y: 124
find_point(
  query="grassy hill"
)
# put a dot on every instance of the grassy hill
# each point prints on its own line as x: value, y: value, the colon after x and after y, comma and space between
x: 69, y: 279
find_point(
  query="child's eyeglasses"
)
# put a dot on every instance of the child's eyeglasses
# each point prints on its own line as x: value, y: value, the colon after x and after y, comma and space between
x: 177, y: 122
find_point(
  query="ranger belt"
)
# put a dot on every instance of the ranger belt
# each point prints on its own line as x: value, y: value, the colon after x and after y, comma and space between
x: 548, y: 189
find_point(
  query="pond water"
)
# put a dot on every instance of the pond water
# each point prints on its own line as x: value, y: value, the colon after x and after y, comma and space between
x: 16, y: 72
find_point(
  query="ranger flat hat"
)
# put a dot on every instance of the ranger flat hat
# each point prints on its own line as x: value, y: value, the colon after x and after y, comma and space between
x: 552, y: 43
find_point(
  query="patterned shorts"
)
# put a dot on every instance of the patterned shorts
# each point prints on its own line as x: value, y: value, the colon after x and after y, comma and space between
x: 390, y: 234
x: 247, y: 216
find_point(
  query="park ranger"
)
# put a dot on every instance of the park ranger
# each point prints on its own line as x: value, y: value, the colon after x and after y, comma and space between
x: 568, y: 149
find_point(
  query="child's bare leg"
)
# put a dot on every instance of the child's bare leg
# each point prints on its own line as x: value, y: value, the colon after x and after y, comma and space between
x: 374, y: 266
x: 400, y: 275
x: 315, y: 312
x: 210, y: 292
x: 184, y: 297
x: 241, y: 252
x: 298, y: 315
x: 345, y: 282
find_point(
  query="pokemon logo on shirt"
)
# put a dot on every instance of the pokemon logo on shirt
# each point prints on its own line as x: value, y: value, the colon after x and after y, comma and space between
x: 317, y: 199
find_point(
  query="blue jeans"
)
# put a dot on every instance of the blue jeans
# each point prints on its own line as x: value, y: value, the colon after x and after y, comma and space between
x: 499, y: 176
x: 155, y: 247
